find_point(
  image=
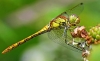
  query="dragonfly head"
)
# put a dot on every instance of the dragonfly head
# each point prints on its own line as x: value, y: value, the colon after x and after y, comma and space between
x: 74, y: 20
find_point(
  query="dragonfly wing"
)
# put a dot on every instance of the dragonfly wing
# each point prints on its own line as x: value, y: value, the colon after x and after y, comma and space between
x: 57, y: 36
x: 76, y: 10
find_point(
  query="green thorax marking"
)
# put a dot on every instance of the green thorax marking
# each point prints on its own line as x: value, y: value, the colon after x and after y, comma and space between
x: 58, y: 22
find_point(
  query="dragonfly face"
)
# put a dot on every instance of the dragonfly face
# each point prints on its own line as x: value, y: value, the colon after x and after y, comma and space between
x: 74, y: 20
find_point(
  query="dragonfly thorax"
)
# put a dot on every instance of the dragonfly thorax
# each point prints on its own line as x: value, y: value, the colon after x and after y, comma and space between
x: 73, y: 20
x: 58, y: 23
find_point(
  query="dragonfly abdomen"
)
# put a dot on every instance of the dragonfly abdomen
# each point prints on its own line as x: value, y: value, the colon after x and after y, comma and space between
x: 43, y: 30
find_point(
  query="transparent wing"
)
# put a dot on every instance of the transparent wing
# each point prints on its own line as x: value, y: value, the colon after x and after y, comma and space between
x: 76, y: 10
x: 57, y: 36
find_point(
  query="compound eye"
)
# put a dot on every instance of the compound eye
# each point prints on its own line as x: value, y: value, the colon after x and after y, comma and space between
x: 74, y: 24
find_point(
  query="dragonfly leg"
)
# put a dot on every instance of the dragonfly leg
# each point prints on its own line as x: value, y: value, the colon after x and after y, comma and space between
x: 68, y: 42
x: 82, y: 45
x: 71, y: 42
x: 65, y: 31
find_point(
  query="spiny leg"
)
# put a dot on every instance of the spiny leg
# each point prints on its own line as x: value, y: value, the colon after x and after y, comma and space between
x: 73, y: 42
x: 65, y: 31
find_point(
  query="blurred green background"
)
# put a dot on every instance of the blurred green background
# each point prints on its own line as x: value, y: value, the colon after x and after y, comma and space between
x: 21, y: 18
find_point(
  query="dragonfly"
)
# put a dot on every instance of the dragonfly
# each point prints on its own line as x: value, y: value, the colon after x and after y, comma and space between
x: 58, y: 29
